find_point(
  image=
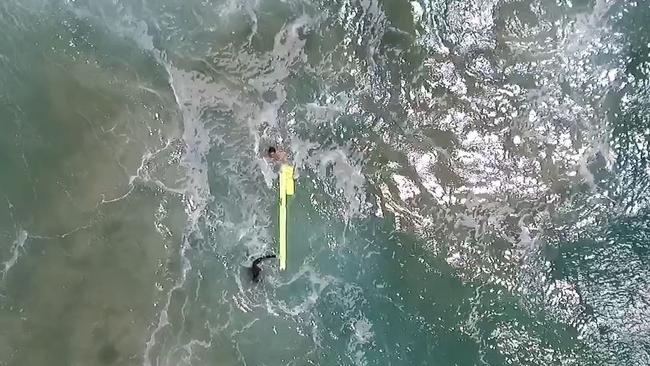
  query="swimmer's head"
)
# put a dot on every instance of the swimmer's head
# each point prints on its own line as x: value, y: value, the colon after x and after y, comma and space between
x: 271, y: 152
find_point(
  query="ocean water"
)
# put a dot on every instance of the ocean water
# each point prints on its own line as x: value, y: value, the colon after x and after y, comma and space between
x: 473, y: 182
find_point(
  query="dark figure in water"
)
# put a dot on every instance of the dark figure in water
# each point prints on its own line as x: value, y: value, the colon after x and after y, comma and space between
x: 256, y: 270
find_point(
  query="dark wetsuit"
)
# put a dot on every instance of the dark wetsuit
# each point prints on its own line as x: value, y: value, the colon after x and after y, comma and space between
x: 256, y: 270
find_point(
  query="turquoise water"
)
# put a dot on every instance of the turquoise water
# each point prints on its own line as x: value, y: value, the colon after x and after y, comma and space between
x: 472, y: 182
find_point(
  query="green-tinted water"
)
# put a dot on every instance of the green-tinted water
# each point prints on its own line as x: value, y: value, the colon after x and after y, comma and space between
x: 472, y: 186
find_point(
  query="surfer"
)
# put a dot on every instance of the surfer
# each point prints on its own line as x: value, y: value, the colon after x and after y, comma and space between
x: 277, y: 156
x: 255, y: 268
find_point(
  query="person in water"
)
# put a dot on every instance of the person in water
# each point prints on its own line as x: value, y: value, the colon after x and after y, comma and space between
x: 255, y: 268
x: 276, y: 155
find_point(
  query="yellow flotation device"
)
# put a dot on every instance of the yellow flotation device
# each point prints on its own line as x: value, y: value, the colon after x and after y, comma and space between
x: 286, y: 189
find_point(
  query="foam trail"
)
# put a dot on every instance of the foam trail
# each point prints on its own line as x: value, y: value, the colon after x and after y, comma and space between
x: 17, y: 248
x: 186, y: 88
x: 196, y: 189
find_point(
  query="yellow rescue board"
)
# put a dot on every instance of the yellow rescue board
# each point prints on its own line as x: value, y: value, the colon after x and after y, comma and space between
x: 286, y: 189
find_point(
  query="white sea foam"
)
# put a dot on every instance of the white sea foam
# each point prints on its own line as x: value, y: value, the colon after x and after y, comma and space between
x: 17, y: 248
